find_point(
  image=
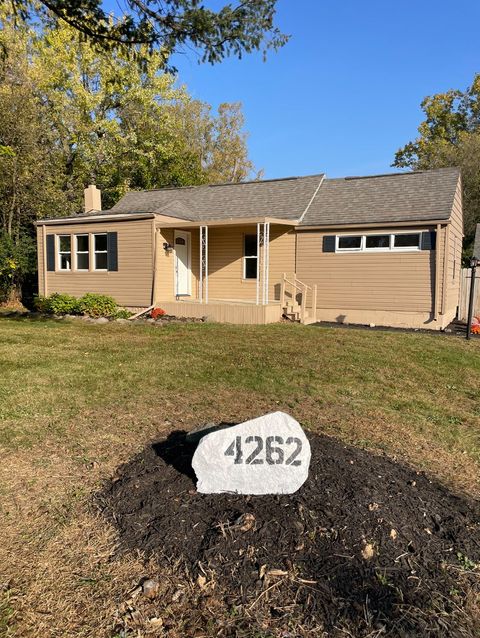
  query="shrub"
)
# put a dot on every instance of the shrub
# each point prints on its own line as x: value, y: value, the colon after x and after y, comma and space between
x: 40, y: 303
x: 157, y: 313
x: 57, y: 304
x: 123, y: 313
x: 95, y: 305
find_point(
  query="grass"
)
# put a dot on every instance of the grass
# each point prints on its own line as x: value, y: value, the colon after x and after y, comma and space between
x: 78, y: 399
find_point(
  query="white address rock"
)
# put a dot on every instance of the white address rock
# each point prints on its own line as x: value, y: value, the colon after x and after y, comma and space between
x: 267, y: 455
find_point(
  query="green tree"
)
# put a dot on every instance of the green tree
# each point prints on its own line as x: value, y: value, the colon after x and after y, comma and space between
x: 234, y: 29
x: 123, y: 126
x: 450, y: 136
x: 71, y: 114
x: 29, y: 163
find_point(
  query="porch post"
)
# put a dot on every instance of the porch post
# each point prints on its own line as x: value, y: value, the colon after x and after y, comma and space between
x: 200, y: 278
x: 206, y: 264
x: 266, y: 260
x: 259, y: 244
x: 203, y: 264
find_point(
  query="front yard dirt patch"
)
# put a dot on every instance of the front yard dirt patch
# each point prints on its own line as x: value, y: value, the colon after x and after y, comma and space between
x: 367, y: 546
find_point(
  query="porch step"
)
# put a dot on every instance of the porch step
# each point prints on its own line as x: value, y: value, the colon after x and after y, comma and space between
x: 293, y: 313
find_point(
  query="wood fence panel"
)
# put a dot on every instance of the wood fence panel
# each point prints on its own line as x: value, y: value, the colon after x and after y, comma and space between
x: 466, y: 274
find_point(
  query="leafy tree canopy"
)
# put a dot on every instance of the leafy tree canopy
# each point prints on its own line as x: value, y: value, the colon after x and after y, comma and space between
x: 72, y: 114
x: 450, y: 136
x: 170, y: 25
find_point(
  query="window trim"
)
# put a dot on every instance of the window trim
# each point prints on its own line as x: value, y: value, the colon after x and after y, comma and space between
x: 96, y: 252
x: 59, y: 252
x: 245, y: 257
x: 363, y: 248
x: 407, y: 248
x: 82, y: 252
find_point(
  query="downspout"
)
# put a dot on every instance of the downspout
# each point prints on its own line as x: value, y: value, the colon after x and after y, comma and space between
x: 44, y: 242
x: 445, y: 268
x: 437, y: 274
x: 154, y: 262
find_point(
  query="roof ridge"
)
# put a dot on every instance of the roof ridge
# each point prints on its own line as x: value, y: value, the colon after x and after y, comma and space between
x: 252, y: 181
x: 397, y: 174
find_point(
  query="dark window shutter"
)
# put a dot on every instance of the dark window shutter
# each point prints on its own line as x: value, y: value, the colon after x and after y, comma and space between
x: 112, y: 248
x: 50, y: 252
x: 329, y: 244
x: 428, y: 240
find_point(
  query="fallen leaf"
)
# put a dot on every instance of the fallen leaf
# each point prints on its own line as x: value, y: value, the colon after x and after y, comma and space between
x: 368, y: 551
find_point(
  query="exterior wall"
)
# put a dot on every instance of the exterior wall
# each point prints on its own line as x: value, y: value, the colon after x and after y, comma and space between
x: 225, y: 262
x: 389, y: 288
x: 454, y: 257
x: 131, y: 285
x: 238, y: 313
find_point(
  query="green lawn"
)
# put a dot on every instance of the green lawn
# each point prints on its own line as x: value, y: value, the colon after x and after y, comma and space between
x: 77, y: 399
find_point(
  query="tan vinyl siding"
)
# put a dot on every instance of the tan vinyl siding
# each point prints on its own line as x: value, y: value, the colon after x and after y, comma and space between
x: 454, y: 266
x: 131, y: 285
x: 41, y: 260
x: 393, y: 281
x: 225, y: 262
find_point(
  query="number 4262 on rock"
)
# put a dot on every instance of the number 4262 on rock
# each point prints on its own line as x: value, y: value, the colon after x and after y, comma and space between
x: 267, y: 455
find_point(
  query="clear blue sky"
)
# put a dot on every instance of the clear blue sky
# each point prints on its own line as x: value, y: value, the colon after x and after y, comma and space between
x: 344, y: 93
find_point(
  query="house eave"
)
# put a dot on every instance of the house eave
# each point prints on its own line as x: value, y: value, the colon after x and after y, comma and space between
x: 93, y: 218
x: 386, y: 224
x: 232, y: 221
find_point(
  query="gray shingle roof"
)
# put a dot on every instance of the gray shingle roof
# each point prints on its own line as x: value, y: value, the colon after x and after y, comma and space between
x: 395, y: 197
x: 283, y: 198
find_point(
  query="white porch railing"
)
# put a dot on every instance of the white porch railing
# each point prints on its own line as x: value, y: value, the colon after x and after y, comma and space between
x: 290, y: 289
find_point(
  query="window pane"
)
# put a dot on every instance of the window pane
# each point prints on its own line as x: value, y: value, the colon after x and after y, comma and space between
x: 65, y: 262
x: 82, y: 261
x: 407, y: 241
x: 250, y: 246
x: 251, y: 268
x: 377, y: 241
x: 82, y: 243
x: 64, y: 243
x: 350, y: 242
x: 101, y: 261
x: 100, y: 242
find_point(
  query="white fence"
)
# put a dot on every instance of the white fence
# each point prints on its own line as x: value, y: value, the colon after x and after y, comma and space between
x: 465, y: 294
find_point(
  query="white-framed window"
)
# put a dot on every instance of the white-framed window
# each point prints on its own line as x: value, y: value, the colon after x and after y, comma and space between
x: 82, y: 252
x: 64, y: 249
x: 349, y: 243
x: 378, y: 242
x: 250, y: 257
x: 100, y: 251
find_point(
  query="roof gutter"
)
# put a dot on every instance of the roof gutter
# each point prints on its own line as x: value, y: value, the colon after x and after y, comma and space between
x: 311, y: 200
x: 386, y: 224
x: 231, y: 221
x: 93, y: 218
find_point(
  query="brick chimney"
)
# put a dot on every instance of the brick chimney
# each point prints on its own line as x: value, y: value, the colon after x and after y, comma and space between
x: 93, y: 198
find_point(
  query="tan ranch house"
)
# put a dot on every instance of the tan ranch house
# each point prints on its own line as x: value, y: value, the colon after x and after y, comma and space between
x: 382, y: 250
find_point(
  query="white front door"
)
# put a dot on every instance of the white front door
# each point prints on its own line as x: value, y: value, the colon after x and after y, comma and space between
x: 183, y: 275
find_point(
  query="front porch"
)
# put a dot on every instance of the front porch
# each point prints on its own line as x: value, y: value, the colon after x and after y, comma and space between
x: 230, y: 271
x: 225, y: 311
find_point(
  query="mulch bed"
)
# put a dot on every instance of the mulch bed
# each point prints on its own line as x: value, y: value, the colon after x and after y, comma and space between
x: 367, y: 547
